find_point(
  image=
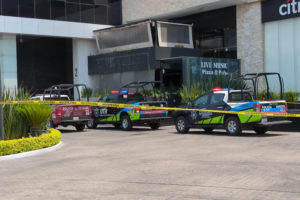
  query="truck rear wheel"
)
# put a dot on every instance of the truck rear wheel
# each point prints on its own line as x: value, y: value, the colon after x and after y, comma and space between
x: 233, y: 126
x: 181, y: 125
x: 79, y: 127
x: 260, y: 130
x: 126, y: 124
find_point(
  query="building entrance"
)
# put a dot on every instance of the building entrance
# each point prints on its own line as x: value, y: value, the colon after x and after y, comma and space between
x: 44, y: 61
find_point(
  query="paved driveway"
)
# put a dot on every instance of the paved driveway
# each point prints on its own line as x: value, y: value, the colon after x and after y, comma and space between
x: 153, y: 165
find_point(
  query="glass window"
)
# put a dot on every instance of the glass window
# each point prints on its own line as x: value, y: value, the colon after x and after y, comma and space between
x: 73, y: 1
x: 100, y: 2
x: 42, y: 9
x: 100, y: 14
x: 10, y: 7
x: 58, y: 9
x: 114, y: 16
x: 87, y: 1
x: 217, y: 98
x: 202, y: 100
x: 73, y: 12
x: 26, y: 8
x: 237, y: 96
x: 87, y: 13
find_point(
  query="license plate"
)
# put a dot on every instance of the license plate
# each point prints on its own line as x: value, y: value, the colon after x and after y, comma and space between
x: 264, y: 120
x: 75, y: 118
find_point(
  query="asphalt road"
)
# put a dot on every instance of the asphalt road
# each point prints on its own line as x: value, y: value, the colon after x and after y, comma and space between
x: 143, y: 164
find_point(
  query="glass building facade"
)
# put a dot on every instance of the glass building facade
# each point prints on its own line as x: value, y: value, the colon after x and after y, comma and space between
x: 84, y: 11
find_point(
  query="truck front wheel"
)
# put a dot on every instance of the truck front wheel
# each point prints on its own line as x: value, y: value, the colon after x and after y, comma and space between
x: 181, y: 125
x: 233, y: 126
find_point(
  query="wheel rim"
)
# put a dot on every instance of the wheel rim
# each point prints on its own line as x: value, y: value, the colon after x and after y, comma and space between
x: 232, y: 126
x: 181, y: 124
x: 90, y: 123
x: 125, y: 123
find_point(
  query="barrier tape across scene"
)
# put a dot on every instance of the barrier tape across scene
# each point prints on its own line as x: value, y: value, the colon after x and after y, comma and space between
x: 117, y: 105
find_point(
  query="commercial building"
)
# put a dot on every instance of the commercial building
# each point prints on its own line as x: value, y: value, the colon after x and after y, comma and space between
x: 224, y: 32
x: 50, y: 41
x: 45, y: 42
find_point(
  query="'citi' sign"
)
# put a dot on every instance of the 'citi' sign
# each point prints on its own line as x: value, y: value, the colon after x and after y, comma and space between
x: 273, y: 10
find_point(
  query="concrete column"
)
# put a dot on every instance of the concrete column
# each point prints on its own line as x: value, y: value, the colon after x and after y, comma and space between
x: 8, y: 60
x: 250, y: 37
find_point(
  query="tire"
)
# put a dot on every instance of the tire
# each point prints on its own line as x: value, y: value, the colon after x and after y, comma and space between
x: 208, y: 129
x: 155, y: 126
x: 260, y: 130
x: 233, y: 126
x: 49, y: 124
x: 79, y: 127
x: 181, y: 125
x: 117, y: 126
x: 126, y: 124
x: 91, y: 124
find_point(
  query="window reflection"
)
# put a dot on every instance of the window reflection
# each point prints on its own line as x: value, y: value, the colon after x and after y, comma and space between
x: 86, y: 11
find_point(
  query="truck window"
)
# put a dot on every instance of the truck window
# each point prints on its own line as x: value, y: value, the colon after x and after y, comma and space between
x: 217, y: 98
x: 237, y: 96
x: 202, y: 100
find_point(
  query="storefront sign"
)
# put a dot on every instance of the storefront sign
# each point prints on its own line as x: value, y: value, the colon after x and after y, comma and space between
x: 273, y: 10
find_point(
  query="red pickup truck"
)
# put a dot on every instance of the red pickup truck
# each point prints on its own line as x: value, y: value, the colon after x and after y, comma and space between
x: 66, y: 114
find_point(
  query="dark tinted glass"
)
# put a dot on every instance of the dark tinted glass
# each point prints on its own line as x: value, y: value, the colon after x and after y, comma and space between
x: 10, y: 7
x: 100, y: 14
x: 58, y: 9
x: 87, y: 13
x: 73, y: 12
x: 114, y: 16
x: 87, y: 1
x: 26, y: 8
x: 73, y: 1
x: 42, y: 9
x: 100, y: 2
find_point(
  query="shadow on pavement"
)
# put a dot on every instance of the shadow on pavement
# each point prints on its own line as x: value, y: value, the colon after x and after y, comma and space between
x: 246, y: 134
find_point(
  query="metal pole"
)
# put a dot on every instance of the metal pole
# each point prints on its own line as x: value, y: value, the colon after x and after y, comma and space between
x: 1, y: 109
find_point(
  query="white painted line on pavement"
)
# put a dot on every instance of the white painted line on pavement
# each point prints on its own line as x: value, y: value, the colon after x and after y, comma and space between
x: 31, y: 153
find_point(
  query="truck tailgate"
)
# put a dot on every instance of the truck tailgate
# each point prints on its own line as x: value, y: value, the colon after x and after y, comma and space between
x: 151, y: 113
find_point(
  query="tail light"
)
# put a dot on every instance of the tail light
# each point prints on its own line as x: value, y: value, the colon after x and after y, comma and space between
x: 58, y: 111
x: 137, y: 110
x: 257, y: 108
x: 90, y: 110
x: 286, y: 106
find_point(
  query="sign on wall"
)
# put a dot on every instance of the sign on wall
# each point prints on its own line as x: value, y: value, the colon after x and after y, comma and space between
x: 273, y: 10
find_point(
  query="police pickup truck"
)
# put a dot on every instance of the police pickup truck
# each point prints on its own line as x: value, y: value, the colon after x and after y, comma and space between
x: 233, y: 100
x: 134, y: 93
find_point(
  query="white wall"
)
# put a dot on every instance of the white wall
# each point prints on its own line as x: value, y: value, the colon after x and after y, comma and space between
x: 282, y: 51
x: 8, y: 60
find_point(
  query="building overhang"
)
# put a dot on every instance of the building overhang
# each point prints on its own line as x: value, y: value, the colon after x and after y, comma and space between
x: 52, y: 28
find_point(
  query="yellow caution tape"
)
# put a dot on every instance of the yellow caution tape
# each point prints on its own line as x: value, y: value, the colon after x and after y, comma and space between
x: 117, y: 105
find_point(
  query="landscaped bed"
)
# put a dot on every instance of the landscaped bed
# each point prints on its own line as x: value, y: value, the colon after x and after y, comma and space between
x: 51, y: 138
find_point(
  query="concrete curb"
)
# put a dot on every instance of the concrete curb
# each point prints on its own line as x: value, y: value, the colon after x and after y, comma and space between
x: 32, y: 153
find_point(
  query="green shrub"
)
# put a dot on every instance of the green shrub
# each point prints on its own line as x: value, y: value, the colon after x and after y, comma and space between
x: 36, y: 116
x: 52, y: 137
x: 291, y: 96
x: 87, y: 92
x: 14, y: 126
